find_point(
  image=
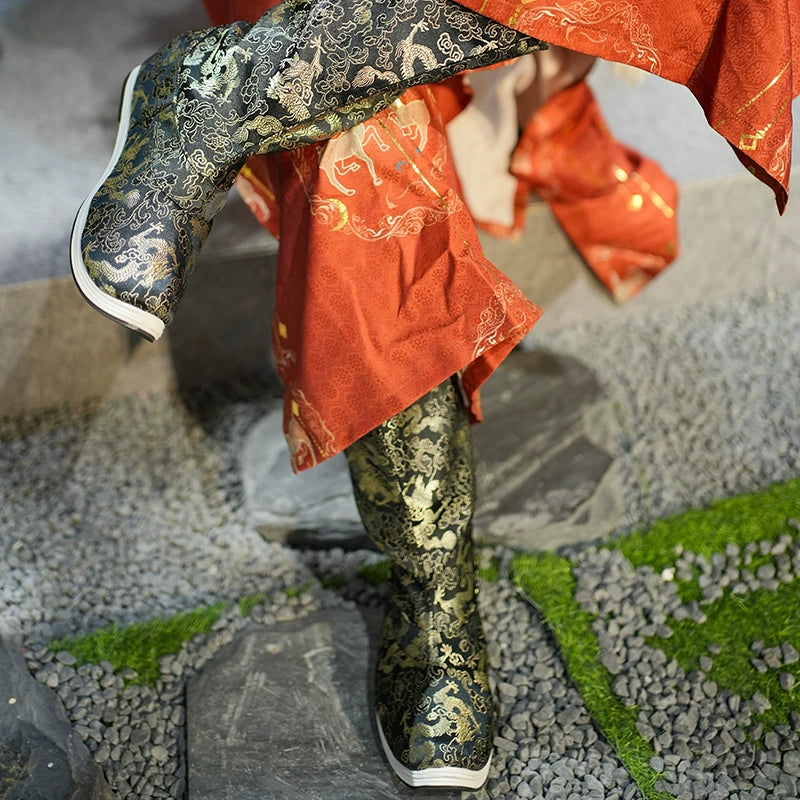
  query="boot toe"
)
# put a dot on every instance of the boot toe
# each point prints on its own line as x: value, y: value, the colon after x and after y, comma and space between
x: 436, y: 726
x: 131, y: 255
x: 132, y: 245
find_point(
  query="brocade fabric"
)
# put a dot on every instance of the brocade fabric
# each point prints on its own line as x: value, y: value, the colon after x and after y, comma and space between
x: 738, y: 57
x: 414, y: 482
x: 382, y: 287
x: 194, y: 111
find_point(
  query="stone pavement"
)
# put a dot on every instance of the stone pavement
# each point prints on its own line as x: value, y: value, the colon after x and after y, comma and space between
x: 545, y: 454
x: 140, y: 507
x: 287, y: 713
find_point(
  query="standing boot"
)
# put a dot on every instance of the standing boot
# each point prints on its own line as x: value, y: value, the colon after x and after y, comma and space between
x: 413, y: 479
x: 195, y: 111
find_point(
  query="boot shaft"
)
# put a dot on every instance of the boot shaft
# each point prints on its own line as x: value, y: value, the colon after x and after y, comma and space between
x: 306, y: 70
x: 413, y: 480
x: 414, y: 485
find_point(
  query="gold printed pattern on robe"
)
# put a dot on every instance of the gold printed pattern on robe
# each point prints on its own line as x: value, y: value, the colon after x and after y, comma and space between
x: 308, y: 437
x: 401, y: 155
x: 493, y: 319
x: 614, y: 21
x: 749, y: 139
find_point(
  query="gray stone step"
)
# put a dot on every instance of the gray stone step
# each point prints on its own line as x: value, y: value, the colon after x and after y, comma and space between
x: 544, y: 466
x: 285, y: 713
x: 41, y: 756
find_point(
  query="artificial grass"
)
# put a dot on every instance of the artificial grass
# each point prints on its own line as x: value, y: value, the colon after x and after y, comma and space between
x: 736, y: 520
x: 733, y: 622
x: 547, y: 579
x: 334, y: 582
x: 490, y: 572
x: 246, y: 604
x: 141, y: 645
x: 298, y: 591
x: 376, y: 573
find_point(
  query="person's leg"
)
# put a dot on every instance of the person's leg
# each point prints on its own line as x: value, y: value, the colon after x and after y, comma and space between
x: 413, y: 479
x: 193, y: 112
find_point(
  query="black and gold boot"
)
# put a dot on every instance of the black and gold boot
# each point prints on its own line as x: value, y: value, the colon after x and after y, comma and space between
x: 413, y: 479
x: 195, y: 111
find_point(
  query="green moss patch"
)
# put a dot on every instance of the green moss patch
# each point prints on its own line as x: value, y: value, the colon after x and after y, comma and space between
x: 248, y: 603
x: 547, y: 579
x: 733, y: 622
x: 376, y: 573
x: 490, y: 571
x: 141, y: 645
x: 737, y: 520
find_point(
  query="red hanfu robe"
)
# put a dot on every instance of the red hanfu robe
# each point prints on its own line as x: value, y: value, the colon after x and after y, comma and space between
x: 382, y: 287
x: 736, y: 56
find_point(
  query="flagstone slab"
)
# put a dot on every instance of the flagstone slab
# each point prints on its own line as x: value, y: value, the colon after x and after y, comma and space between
x: 545, y: 452
x: 283, y: 505
x: 546, y: 472
x: 285, y: 713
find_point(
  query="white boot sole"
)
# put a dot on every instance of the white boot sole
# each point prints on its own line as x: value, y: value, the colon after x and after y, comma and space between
x: 453, y: 777
x: 144, y: 323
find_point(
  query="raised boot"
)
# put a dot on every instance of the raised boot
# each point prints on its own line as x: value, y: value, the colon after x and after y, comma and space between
x: 413, y: 479
x: 195, y: 111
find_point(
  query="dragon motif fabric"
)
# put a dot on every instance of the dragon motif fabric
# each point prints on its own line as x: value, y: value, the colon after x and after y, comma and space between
x: 383, y: 290
x: 738, y: 57
x: 414, y: 483
x: 194, y: 111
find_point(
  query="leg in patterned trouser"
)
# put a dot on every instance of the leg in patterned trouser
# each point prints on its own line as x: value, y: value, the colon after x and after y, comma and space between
x: 413, y: 478
x: 196, y: 110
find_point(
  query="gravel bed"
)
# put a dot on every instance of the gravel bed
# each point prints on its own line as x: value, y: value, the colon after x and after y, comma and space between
x: 546, y: 743
x: 709, y: 742
x: 127, y: 513
x: 134, y: 510
x: 706, y: 396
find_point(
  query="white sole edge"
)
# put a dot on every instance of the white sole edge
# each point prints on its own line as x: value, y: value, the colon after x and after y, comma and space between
x: 452, y: 777
x: 148, y: 325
